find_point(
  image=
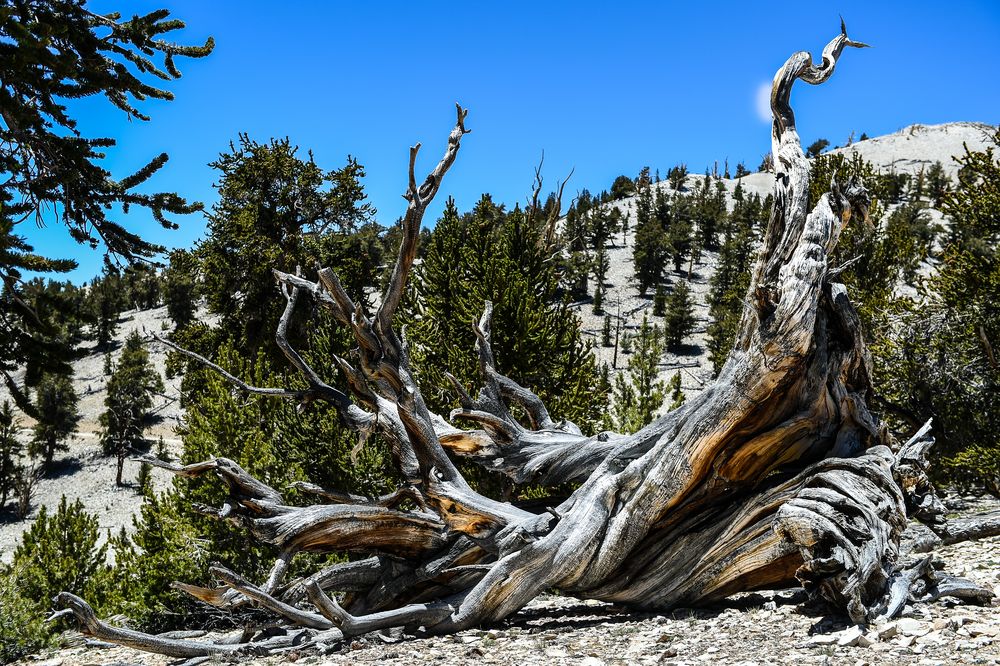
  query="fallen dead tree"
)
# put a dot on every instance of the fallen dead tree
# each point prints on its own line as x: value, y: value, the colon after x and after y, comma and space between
x: 776, y: 475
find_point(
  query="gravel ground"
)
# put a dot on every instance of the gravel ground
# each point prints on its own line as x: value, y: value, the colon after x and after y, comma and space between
x: 749, y: 629
x: 84, y: 472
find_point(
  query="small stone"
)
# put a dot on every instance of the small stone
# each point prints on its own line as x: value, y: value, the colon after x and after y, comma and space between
x: 887, y: 631
x: 910, y: 627
x: 849, y: 637
x: 979, y: 629
x: 941, y: 623
x: 933, y: 638
x: 770, y: 606
x: 823, y: 639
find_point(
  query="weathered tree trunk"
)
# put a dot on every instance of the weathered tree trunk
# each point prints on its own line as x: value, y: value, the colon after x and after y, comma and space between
x: 777, y: 474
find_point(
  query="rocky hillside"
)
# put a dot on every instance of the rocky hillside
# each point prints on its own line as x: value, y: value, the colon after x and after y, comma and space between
x: 907, y: 151
x: 84, y: 472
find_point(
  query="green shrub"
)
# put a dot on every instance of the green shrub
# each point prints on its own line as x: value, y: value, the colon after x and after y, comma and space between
x: 22, y: 626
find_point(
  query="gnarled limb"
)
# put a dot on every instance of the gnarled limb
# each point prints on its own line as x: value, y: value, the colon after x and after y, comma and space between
x: 777, y: 474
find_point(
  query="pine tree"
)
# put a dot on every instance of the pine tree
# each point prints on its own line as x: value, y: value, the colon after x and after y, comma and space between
x: 638, y: 393
x: 938, y: 183
x: 943, y: 360
x: 277, y: 210
x: 676, y: 393
x: 10, y: 451
x: 494, y: 255
x: 680, y: 319
x: 650, y: 249
x: 606, y: 332
x: 57, y: 417
x: 179, y: 285
x: 106, y: 300
x: 660, y: 301
x: 60, y: 553
x: 622, y: 188
x: 677, y: 176
x: 710, y: 211
x: 54, y: 52
x: 131, y: 387
x: 679, y: 239
x: 816, y: 147
x: 731, y: 280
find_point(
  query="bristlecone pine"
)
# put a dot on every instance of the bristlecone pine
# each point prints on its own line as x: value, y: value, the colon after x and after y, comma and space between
x: 776, y: 475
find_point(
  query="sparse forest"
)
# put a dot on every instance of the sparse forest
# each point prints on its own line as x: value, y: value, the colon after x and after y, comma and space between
x: 420, y: 426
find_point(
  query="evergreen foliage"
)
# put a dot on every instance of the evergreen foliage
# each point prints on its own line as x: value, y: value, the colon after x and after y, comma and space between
x: 680, y: 320
x: 676, y: 393
x: 731, y: 280
x: 278, y: 211
x: 622, y: 188
x: 676, y: 176
x: 638, y: 393
x: 131, y: 387
x: 179, y: 287
x: 660, y: 302
x: 941, y: 359
x: 710, y: 211
x: 816, y: 147
x: 10, y: 452
x: 58, y: 553
x: 650, y: 246
x: 56, y: 414
x: 494, y: 255
x: 106, y: 299
x: 53, y: 52
x: 680, y: 235
x: 23, y: 629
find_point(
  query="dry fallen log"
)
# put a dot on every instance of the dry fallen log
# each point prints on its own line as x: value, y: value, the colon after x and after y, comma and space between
x: 778, y: 474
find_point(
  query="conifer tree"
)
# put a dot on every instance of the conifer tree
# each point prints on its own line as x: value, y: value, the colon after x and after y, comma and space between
x: 494, y: 255
x: 816, y: 147
x: 106, y: 299
x: 179, y: 285
x: 650, y: 249
x: 131, y: 387
x: 679, y: 239
x: 731, y: 280
x: 938, y: 183
x: 660, y: 302
x: 944, y: 360
x: 56, y: 414
x: 676, y: 392
x: 277, y: 210
x: 60, y: 553
x: 10, y: 451
x: 710, y: 211
x: 53, y: 52
x: 622, y: 188
x: 680, y: 319
x: 638, y: 393
x: 677, y: 176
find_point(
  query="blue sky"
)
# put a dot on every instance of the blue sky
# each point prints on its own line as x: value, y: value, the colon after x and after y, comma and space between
x: 603, y: 88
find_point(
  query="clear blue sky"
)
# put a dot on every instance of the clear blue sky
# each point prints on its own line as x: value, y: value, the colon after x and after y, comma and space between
x: 605, y: 88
